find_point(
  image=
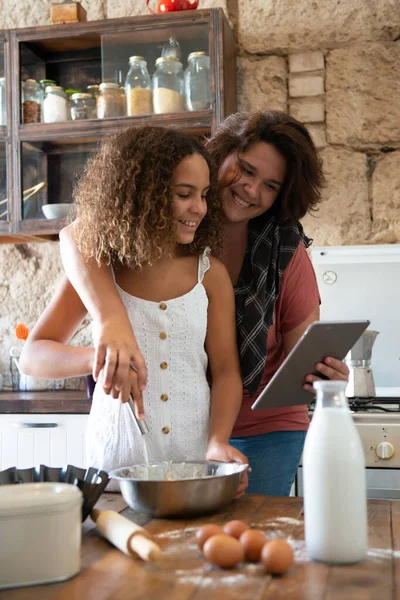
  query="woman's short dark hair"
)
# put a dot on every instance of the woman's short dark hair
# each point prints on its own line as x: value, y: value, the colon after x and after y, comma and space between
x: 304, y: 180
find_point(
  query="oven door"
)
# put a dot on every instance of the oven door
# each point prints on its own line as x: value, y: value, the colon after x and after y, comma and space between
x: 381, y: 484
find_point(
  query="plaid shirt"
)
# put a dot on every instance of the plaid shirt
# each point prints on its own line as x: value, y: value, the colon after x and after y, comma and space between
x: 269, y: 251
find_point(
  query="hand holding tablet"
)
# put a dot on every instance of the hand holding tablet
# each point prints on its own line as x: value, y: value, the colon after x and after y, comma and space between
x: 321, y: 339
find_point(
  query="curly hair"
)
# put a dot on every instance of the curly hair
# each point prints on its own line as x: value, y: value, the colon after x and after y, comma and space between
x: 304, y: 180
x: 124, y: 198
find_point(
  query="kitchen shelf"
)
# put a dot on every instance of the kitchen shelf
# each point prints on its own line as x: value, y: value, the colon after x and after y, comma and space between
x: 87, y: 53
x: 66, y: 131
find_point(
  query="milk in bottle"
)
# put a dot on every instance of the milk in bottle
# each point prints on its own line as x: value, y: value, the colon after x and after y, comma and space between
x: 335, y: 499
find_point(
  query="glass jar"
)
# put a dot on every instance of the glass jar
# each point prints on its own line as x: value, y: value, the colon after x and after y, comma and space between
x: 172, y: 48
x: 32, y: 98
x: 94, y: 90
x: 138, y: 88
x: 44, y: 83
x: 70, y: 93
x: 54, y: 105
x: 83, y: 106
x: 109, y: 101
x: 197, y: 81
x: 168, y: 86
x: 3, y: 102
x: 122, y: 100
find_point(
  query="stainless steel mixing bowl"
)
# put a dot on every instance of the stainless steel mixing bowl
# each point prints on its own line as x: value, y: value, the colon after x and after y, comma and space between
x: 179, y: 489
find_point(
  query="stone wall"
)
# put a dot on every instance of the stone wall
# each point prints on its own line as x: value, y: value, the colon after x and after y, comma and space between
x: 333, y: 65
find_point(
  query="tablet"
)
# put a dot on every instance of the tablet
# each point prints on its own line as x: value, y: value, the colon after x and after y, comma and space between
x: 320, y: 339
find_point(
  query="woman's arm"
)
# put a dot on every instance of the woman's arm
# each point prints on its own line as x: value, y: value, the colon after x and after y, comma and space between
x: 46, y: 353
x: 117, y: 348
x: 221, y: 347
x: 223, y: 356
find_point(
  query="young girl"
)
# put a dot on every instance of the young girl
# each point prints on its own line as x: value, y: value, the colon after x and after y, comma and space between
x: 147, y: 204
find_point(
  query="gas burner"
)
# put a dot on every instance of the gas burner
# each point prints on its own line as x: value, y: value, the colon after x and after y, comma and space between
x: 375, y: 404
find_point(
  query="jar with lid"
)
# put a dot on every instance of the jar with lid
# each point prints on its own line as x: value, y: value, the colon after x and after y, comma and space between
x: 45, y: 82
x: 109, y: 103
x: 70, y: 93
x: 197, y: 81
x: 54, y: 104
x: 83, y: 106
x: 32, y: 99
x: 168, y: 86
x: 94, y: 90
x: 138, y: 88
x: 3, y: 102
x: 123, y: 100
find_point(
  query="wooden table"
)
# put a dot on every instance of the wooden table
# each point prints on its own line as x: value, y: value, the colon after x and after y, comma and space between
x: 107, y: 574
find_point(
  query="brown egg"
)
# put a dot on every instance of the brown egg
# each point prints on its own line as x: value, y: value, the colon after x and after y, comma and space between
x: 206, y: 532
x: 224, y: 551
x: 277, y: 556
x: 235, y: 528
x: 253, y: 541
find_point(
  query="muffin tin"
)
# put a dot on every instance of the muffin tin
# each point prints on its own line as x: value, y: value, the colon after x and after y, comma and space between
x: 91, y: 481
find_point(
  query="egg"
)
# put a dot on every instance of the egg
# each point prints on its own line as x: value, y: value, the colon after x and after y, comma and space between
x: 224, y: 551
x: 253, y: 541
x: 206, y: 532
x: 235, y: 528
x: 277, y: 556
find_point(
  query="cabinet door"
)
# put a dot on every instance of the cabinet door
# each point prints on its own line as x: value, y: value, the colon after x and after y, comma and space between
x: 54, y: 440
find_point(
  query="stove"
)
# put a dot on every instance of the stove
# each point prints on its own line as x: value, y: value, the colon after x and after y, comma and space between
x: 378, y: 423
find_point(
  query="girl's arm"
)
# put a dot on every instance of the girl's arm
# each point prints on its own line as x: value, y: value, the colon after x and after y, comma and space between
x: 46, y: 353
x: 116, y: 348
x: 221, y: 347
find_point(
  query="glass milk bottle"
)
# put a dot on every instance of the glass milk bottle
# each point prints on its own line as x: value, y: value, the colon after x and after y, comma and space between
x: 335, y: 497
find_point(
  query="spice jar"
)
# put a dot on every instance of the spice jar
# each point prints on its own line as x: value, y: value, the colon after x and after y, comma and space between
x: 83, y: 107
x: 122, y: 100
x: 138, y: 88
x: 70, y: 93
x: 32, y: 98
x: 168, y: 86
x: 45, y: 82
x: 197, y: 81
x: 54, y: 105
x: 93, y: 90
x: 109, y: 103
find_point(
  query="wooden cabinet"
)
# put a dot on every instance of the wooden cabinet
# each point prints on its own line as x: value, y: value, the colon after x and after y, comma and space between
x: 51, y: 439
x: 44, y: 160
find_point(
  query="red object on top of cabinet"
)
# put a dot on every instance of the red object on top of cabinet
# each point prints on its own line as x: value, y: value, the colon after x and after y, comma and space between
x: 172, y: 5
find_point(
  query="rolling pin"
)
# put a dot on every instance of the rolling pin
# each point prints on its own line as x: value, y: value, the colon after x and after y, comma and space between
x: 125, y: 535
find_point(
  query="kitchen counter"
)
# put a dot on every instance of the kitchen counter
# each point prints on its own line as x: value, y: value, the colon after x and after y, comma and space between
x: 107, y: 574
x: 51, y: 402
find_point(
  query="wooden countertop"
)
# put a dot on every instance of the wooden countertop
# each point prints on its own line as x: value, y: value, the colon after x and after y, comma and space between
x: 108, y: 574
x: 59, y: 401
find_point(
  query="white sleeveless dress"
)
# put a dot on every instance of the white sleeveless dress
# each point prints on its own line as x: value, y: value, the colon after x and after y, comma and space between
x: 171, y: 337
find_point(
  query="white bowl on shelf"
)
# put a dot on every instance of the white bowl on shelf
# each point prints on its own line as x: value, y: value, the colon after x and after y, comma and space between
x: 56, y: 211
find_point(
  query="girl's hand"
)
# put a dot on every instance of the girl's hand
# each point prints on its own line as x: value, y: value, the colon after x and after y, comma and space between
x: 225, y: 453
x: 331, y: 368
x: 131, y: 386
x: 116, y: 354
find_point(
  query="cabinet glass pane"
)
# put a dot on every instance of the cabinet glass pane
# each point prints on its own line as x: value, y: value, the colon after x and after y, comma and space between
x: 72, y: 63
x: 3, y: 98
x: 3, y: 183
x: 170, y: 93
x: 49, y: 172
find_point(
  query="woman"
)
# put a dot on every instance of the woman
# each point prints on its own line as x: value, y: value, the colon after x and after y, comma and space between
x: 270, y: 177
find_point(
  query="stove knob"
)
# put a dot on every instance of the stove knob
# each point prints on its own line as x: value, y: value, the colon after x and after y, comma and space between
x: 385, y: 450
